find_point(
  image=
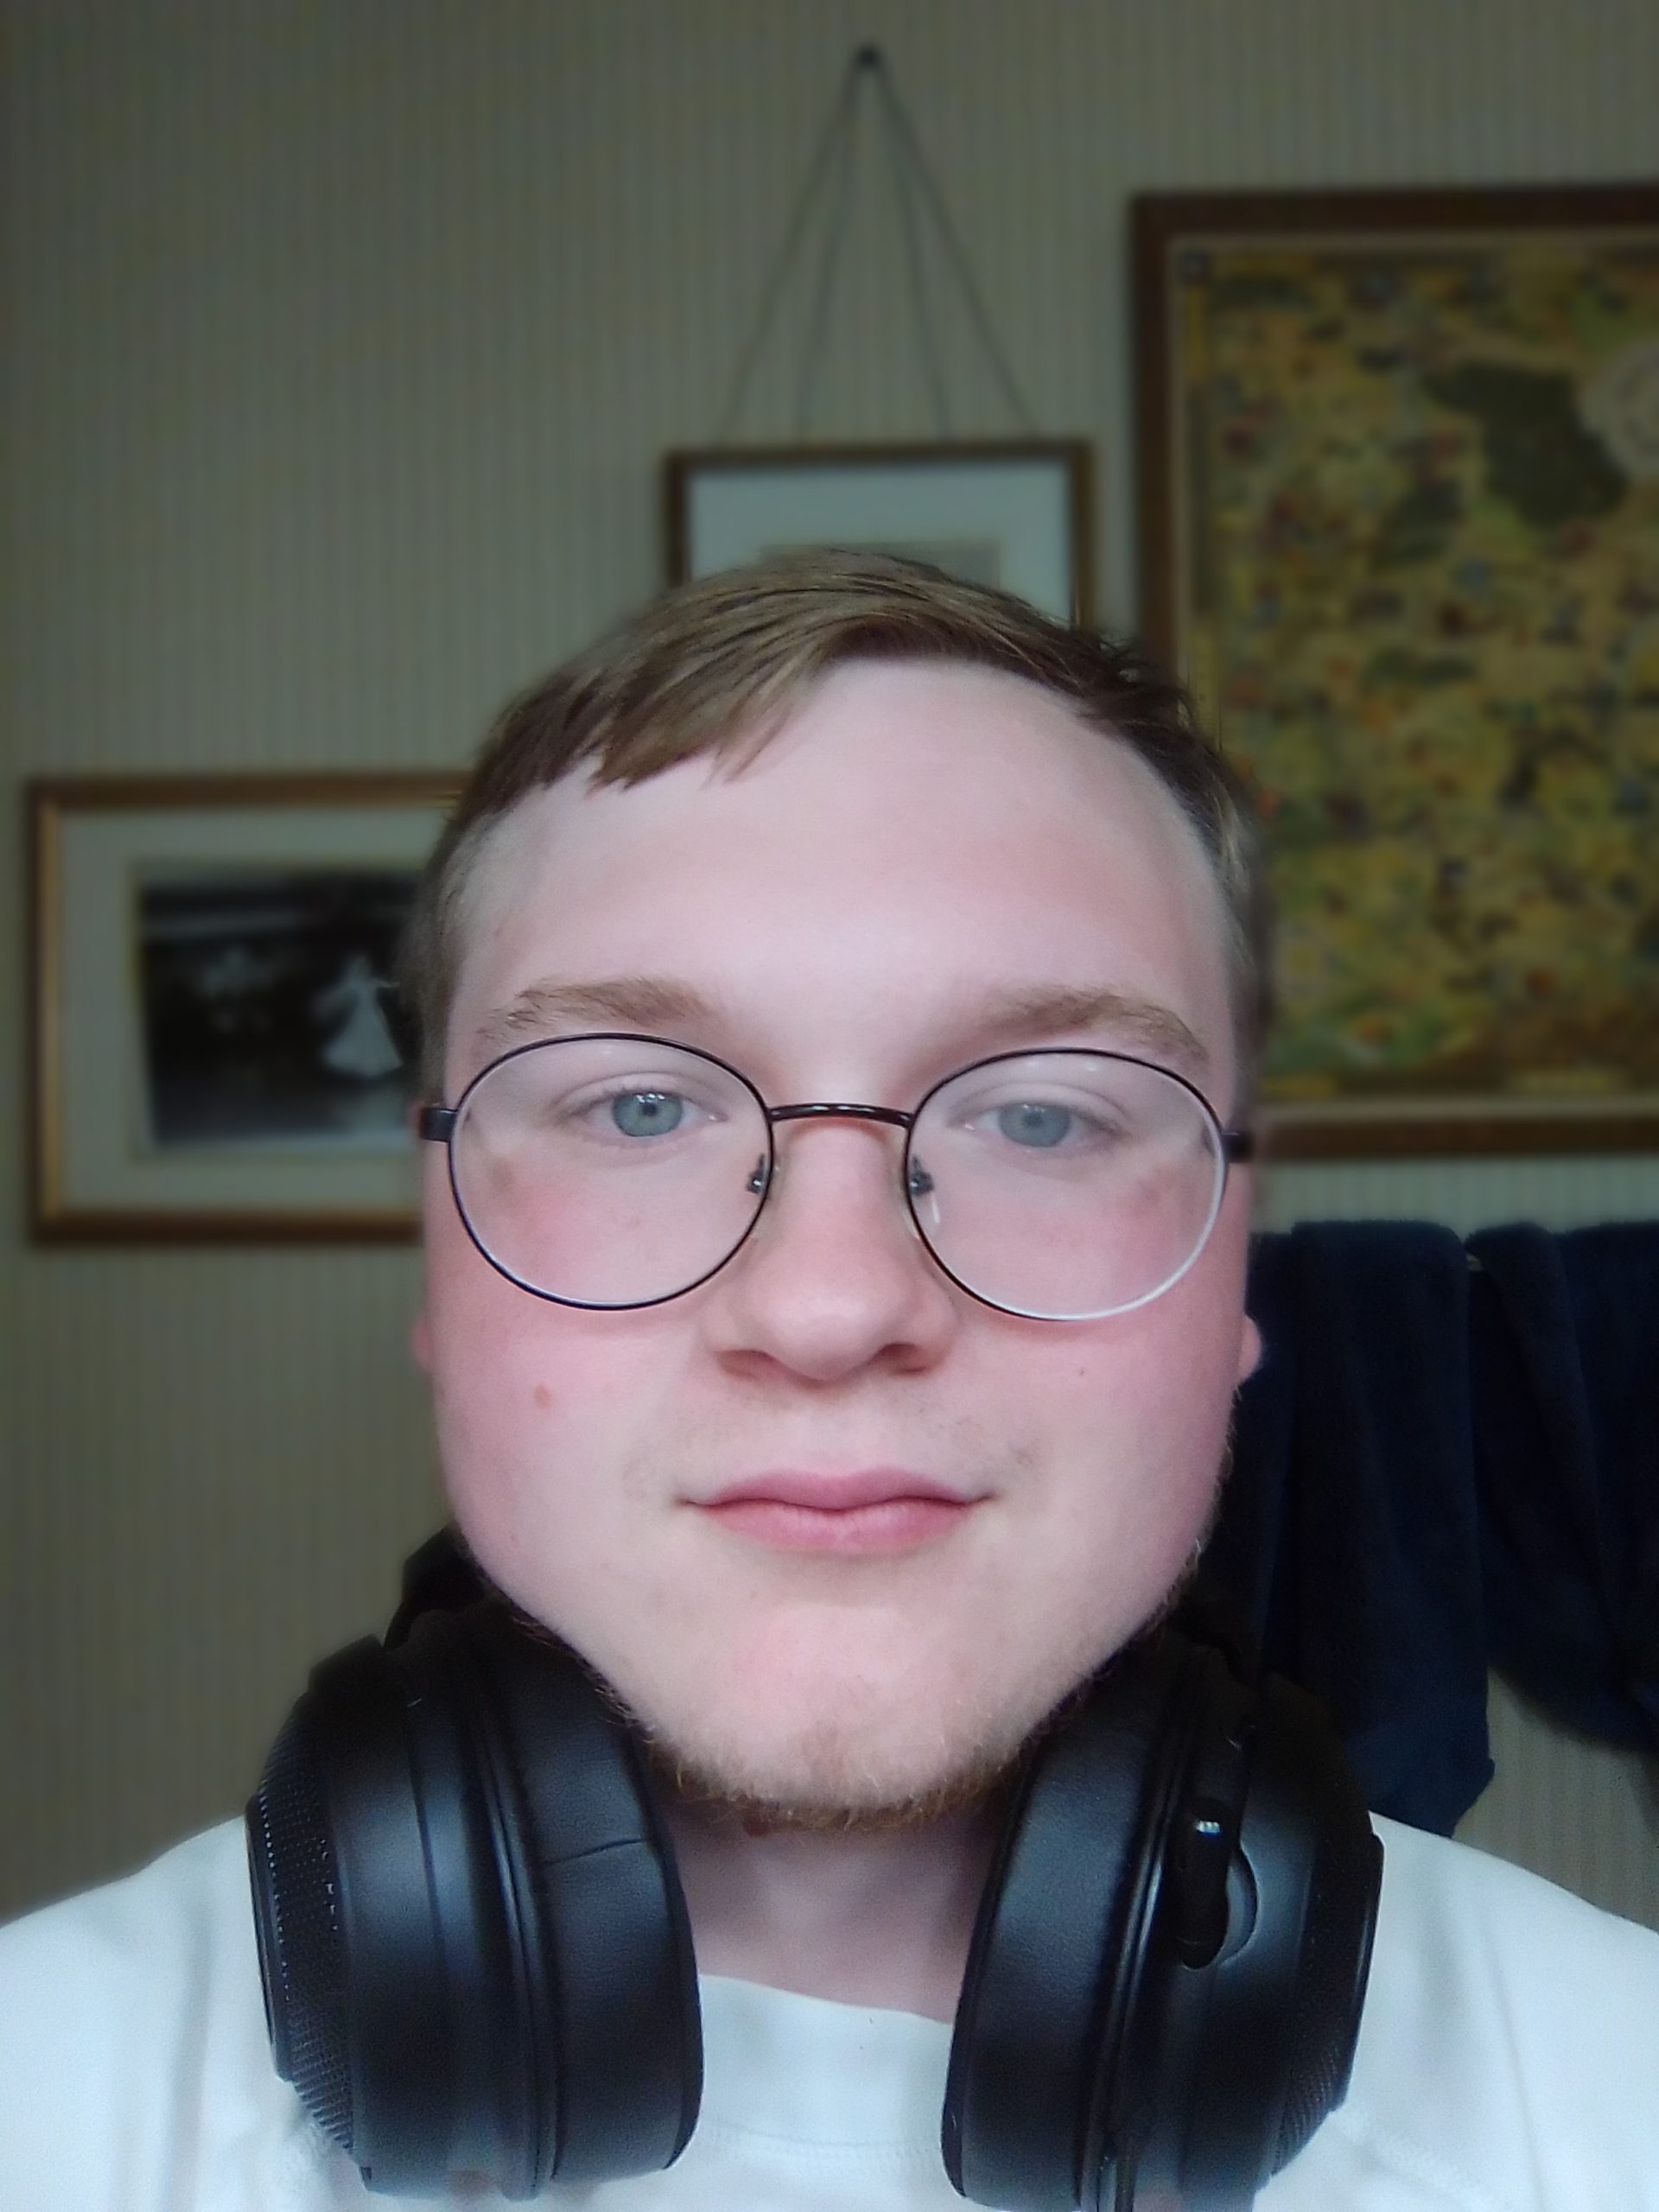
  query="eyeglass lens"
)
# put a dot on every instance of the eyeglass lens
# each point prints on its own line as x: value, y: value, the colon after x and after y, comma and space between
x: 615, y: 1171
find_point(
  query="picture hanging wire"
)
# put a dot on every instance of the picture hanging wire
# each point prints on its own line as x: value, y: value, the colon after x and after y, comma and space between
x: 828, y: 187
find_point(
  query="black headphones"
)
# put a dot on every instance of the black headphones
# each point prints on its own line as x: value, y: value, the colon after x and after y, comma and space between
x: 476, y: 1956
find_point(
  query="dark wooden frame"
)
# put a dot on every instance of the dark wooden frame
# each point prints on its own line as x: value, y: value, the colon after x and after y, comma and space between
x: 56, y: 1216
x: 1159, y: 225
x: 1072, y: 456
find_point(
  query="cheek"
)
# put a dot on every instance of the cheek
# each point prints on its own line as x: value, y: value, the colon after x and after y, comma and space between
x: 537, y: 1410
x: 1145, y: 1433
x: 1138, y: 1417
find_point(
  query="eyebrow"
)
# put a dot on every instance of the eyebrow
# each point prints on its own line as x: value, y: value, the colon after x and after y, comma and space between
x: 652, y: 1004
x: 1030, y: 1016
x: 642, y: 1002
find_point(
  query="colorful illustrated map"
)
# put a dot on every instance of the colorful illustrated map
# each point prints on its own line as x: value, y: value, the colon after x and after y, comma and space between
x: 1420, y: 561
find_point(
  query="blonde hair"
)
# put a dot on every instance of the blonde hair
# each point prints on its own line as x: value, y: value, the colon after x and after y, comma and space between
x: 713, y: 667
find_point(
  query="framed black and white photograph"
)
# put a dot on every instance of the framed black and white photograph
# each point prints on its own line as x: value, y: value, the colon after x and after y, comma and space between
x: 1012, y: 516
x: 218, y: 1050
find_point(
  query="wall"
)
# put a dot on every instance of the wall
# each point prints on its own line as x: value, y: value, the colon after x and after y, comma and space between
x: 341, y: 343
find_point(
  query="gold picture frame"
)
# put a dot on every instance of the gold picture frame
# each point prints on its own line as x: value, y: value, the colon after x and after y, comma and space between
x: 1399, y: 528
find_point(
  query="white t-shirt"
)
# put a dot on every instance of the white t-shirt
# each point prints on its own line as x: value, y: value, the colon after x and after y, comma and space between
x: 1508, y: 2062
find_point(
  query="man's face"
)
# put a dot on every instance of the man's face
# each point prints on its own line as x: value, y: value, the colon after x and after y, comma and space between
x: 850, y: 918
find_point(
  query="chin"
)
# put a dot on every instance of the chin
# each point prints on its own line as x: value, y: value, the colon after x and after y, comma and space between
x: 845, y: 1746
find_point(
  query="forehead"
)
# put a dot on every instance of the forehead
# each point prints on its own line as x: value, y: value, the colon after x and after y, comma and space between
x: 913, y: 840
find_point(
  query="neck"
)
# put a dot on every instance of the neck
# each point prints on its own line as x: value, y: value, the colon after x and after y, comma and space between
x: 880, y: 1920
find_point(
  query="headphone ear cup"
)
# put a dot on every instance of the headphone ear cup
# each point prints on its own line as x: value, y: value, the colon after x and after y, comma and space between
x: 1061, y: 1949
x: 1164, y: 1985
x: 1265, y: 2031
x: 472, y: 1938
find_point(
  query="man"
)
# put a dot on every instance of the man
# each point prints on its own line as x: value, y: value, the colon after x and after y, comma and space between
x: 843, y: 1446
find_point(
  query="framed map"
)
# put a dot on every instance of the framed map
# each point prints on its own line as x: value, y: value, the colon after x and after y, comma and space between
x: 1399, y: 528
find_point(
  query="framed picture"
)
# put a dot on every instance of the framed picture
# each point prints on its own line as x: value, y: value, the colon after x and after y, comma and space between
x: 217, y: 1051
x: 1014, y: 515
x: 1398, y: 527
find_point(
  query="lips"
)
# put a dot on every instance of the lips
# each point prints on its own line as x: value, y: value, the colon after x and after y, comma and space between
x: 830, y: 1493
x: 867, y: 1512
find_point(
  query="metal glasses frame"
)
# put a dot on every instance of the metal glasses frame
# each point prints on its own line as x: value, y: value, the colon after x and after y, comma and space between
x: 436, y: 1124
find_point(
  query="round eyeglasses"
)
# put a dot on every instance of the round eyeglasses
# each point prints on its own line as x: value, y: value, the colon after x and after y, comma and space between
x: 616, y: 1171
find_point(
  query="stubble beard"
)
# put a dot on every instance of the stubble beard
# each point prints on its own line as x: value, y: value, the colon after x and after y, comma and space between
x: 830, y: 1787
x: 831, y: 1803
x: 831, y: 1792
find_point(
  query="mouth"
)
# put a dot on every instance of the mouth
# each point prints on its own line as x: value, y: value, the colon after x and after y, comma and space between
x: 868, y: 1513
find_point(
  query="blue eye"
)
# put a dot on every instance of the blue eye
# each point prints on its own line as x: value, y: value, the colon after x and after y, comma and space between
x: 648, y: 1113
x: 1033, y: 1124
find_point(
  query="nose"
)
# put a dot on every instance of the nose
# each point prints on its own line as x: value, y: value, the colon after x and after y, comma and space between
x: 833, y: 1279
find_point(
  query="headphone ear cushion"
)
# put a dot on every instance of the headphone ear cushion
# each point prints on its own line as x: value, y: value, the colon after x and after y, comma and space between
x: 472, y: 1937
x: 1061, y: 1949
x: 593, y: 1848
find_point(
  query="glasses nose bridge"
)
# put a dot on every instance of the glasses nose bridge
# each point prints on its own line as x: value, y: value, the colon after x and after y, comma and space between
x: 837, y: 1110
x: 825, y: 1110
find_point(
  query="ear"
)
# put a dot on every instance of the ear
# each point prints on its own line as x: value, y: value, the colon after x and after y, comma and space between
x: 1249, y: 1349
x: 420, y: 1341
